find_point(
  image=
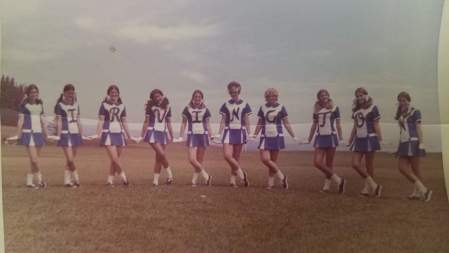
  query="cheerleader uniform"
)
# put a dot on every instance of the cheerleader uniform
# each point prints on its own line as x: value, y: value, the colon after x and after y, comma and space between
x: 366, y: 139
x: 272, y: 137
x: 112, y: 134
x: 234, y: 113
x: 32, y: 128
x: 70, y: 134
x: 197, y: 134
x: 326, y: 134
x: 157, y: 127
x: 408, y: 142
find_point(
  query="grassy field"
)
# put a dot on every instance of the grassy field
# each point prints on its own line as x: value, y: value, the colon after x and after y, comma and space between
x: 179, y: 218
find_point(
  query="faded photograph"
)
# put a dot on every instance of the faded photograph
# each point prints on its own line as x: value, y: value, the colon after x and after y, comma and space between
x: 222, y: 126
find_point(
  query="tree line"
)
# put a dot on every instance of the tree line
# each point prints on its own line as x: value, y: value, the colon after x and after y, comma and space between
x: 11, y: 95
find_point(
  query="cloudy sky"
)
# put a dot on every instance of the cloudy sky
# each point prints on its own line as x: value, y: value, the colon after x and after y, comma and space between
x: 297, y: 46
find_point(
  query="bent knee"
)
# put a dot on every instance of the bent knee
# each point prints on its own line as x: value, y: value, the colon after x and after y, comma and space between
x: 227, y: 157
x: 317, y: 163
x: 356, y: 166
x: 265, y: 161
x: 193, y: 162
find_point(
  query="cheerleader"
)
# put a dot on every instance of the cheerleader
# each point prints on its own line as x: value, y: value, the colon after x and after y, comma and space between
x: 32, y: 132
x: 365, y: 140
x: 196, y: 115
x: 411, y: 147
x: 112, y: 129
x: 154, y: 131
x: 326, y: 125
x: 233, y: 131
x: 272, y: 116
x: 69, y: 132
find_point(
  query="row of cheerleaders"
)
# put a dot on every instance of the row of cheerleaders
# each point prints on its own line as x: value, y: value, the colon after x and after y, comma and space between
x: 234, y: 131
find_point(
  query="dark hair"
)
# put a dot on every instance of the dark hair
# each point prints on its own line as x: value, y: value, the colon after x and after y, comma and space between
x: 151, y: 102
x: 110, y: 88
x: 234, y: 84
x: 321, y: 91
x: 355, y: 103
x: 26, y: 98
x: 193, y: 95
x: 67, y: 87
x: 405, y: 95
x: 362, y: 90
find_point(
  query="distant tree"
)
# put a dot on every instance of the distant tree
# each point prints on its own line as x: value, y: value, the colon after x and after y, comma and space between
x: 11, y: 95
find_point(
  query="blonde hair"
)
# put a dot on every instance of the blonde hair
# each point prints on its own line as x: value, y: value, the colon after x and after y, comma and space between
x: 318, y: 105
x: 271, y: 92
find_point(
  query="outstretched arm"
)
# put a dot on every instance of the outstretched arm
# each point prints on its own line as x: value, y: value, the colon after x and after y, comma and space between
x: 125, y: 127
x: 352, y: 135
x: 339, y: 131
x: 247, y: 124
x: 44, y: 126
x: 258, y: 127
x: 144, y: 126
x: 183, y: 127
x: 288, y: 127
x: 58, y: 125
x: 312, y: 131
x: 209, y: 128
x: 80, y: 125
x: 20, y: 125
x: 169, y: 127
x: 100, y: 125
x: 222, y: 124
x: 377, y: 130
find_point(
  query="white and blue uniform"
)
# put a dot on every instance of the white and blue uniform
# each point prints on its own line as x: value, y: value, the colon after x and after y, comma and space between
x: 70, y: 132
x: 157, y: 127
x: 235, y: 113
x: 326, y: 133
x: 408, y: 141
x: 113, y: 133
x: 197, y: 132
x: 32, y: 124
x: 272, y: 136
x: 366, y: 139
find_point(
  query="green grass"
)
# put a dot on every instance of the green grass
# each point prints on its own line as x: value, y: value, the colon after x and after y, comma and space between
x: 179, y: 218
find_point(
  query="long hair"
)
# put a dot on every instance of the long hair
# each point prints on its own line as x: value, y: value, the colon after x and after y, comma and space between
x: 111, y: 88
x: 399, y: 111
x: 67, y: 87
x: 26, y: 97
x: 193, y: 95
x: 151, y: 102
x: 319, y: 105
x: 356, y: 105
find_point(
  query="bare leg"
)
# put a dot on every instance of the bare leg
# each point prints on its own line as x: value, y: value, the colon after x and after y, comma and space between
x: 319, y: 162
x: 356, y: 164
x: 369, y: 159
x: 160, y: 151
x: 330, y: 154
x: 193, y: 159
x: 228, y: 152
x: 403, y: 166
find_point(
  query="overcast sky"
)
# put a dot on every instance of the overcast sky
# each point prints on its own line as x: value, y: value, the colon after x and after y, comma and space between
x: 297, y: 46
